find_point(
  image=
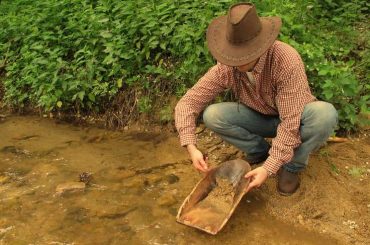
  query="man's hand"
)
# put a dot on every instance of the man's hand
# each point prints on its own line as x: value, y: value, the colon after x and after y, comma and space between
x: 197, y: 158
x: 257, y: 177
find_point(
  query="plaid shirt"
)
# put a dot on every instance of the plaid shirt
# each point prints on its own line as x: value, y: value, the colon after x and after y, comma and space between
x: 280, y: 87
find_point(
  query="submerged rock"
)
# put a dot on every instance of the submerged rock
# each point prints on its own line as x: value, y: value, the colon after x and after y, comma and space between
x: 85, y: 177
x: 166, y: 200
x: 14, y: 150
x: 70, y: 187
x: 171, y: 178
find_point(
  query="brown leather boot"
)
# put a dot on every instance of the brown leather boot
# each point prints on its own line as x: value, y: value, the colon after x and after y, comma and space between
x: 288, y: 182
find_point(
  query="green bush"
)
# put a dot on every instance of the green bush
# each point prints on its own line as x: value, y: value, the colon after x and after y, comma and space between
x: 65, y: 54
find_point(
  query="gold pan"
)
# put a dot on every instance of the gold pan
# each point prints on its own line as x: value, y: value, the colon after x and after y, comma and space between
x: 215, y: 197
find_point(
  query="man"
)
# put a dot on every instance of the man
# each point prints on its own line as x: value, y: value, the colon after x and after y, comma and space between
x: 268, y: 78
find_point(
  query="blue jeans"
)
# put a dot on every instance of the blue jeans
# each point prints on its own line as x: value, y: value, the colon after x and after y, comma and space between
x: 247, y: 129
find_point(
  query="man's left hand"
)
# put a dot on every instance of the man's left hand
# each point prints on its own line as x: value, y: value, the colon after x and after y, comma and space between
x: 257, y: 177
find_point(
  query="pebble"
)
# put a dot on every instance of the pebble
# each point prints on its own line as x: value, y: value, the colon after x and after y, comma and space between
x: 125, y: 128
x: 4, y: 179
x: 300, y: 219
x: 166, y: 200
x: 126, y: 173
x: 154, y: 179
x: 134, y: 183
x: 318, y: 215
x: 4, y: 230
x: 171, y: 178
x: 352, y: 224
x: 70, y: 187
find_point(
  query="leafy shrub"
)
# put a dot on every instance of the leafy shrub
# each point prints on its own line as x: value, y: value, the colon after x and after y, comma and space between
x: 63, y: 54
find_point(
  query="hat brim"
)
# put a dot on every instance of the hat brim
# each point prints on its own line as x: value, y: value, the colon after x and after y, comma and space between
x: 241, y: 54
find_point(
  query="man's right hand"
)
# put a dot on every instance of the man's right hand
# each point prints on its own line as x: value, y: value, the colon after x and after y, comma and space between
x: 197, y: 158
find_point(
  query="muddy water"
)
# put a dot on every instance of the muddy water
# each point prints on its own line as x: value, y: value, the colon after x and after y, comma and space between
x: 139, y: 180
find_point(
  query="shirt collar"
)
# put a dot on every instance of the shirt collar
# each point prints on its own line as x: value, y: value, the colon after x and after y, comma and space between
x: 261, y: 63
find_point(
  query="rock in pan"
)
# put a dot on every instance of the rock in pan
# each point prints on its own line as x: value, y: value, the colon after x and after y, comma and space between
x: 70, y: 187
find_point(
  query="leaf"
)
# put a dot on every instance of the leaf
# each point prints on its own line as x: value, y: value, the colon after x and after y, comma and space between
x: 163, y: 45
x: 323, y: 72
x: 106, y: 34
x: 328, y: 94
x: 81, y: 95
x: 59, y: 104
x: 91, y: 97
x: 119, y: 83
x: 103, y: 20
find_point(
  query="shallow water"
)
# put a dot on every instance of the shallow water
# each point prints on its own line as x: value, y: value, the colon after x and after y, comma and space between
x: 139, y: 180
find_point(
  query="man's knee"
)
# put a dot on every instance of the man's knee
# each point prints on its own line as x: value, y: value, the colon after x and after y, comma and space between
x: 212, y: 115
x: 321, y: 116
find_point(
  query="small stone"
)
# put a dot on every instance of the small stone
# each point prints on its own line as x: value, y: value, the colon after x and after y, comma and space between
x: 70, y: 187
x: 166, y: 200
x: 318, y: 215
x: 125, y: 128
x: 300, y: 219
x: 171, y: 178
x: 125, y: 173
x: 85, y: 177
x: 199, y: 130
x: 4, y: 230
x: 133, y: 183
x: 4, y: 179
x: 154, y: 179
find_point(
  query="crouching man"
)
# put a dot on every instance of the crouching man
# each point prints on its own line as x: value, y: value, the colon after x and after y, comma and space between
x: 268, y: 78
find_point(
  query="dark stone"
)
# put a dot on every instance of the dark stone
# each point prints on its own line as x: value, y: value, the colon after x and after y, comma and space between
x: 85, y: 177
x: 171, y: 178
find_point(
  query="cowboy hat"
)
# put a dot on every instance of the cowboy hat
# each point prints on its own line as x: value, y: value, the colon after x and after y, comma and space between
x: 241, y: 36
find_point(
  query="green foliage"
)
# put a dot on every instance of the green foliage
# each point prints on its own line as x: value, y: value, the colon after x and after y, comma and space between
x: 144, y: 104
x: 63, y: 54
x: 335, y: 53
x: 165, y: 114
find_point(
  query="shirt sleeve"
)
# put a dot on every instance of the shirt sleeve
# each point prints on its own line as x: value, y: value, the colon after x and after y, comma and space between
x: 293, y: 93
x: 196, y: 99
